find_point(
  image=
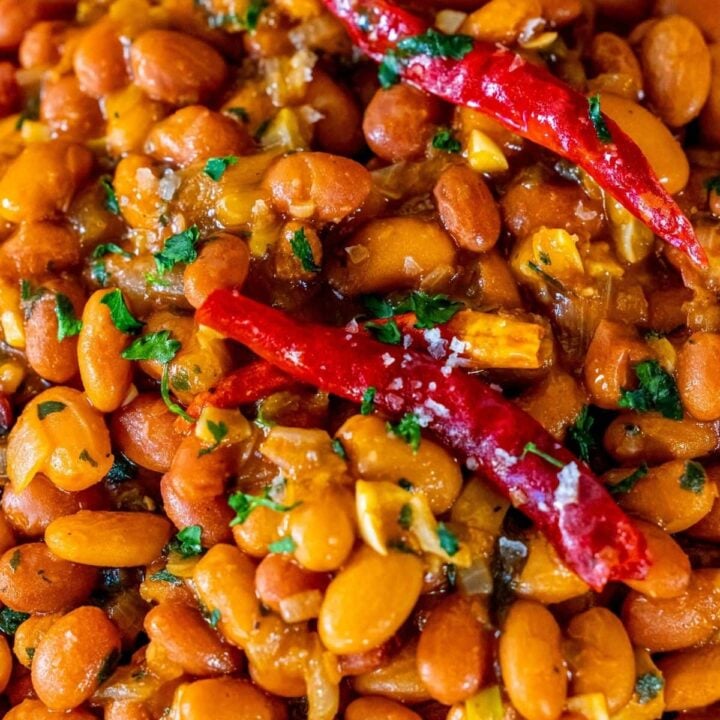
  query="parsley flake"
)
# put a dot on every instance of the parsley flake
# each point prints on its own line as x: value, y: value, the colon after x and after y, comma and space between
x: 85, y: 456
x: 405, y: 517
x: 239, y: 112
x: 713, y: 184
x: 111, y: 201
x: 657, y: 391
x: 430, y: 310
x: 122, y: 469
x: 108, y: 667
x: 30, y: 112
x: 14, y: 561
x: 628, y: 483
x: 390, y: 70
x: 303, y: 252
x: 171, y: 405
x: 244, y: 504
x: 448, y: 540
x: 386, y: 332
x: 339, y: 449
x: 68, y: 323
x: 596, y: 116
x: 285, y: 545
x: 159, y: 346
x: 27, y: 294
x: 49, y: 407
x: 648, y: 686
x: 368, y: 401
x: 378, y: 307
x: 219, y: 431
x: 11, y: 620
x: 532, y: 448
x: 408, y: 428
x: 693, y: 477
x: 120, y: 314
x: 215, y: 167
x: 252, y: 16
x: 178, y: 248
x: 188, y: 542
x: 213, y: 618
x: 580, y: 434
x: 166, y: 576
x: 445, y: 140
x: 108, y: 249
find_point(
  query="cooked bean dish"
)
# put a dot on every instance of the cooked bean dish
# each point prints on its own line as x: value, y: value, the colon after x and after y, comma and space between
x: 359, y: 359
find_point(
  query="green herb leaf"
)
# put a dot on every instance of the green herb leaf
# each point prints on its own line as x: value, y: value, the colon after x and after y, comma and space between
x: 30, y: 652
x: 239, y: 112
x: 648, y: 686
x: 179, y: 248
x: 11, y: 620
x: 544, y: 258
x: 27, y: 294
x: 215, y: 167
x: 628, y: 483
x: 15, y: 559
x: 430, y: 310
x: 448, y: 540
x: 68, y: 323
x: 405, y: 517
x: 338, y: 448
x: 122, y: 470
x: 693, y: 477
x: 446, y: 141
x: 244, y: 504
x: 111, y: 201
x: 657, y: 391
x: 252, y: 16
x: 120, y: 314
x: 158, y: 346
x: 31, y: 111
x: 171, y: 405
x: 108, y: 667
x: 303, y: 252
x: 390, y: 70
x: 580, y: 435
x: 405, y: 484
x: 595, y: 114
x: 532, y: 448
x: 408, y: 428
x: 386, y: 332
x: 219, y: 431
x: 436, y: 44
x: 213, y: 618
x: 450, y: 570
x: 166, y: 576
x: 85, y: 456
x: 284, y: 545
x: 188, y: 542
x: 49, y: 407
x: 109, y: 249
x: 368, y: 401
x: 378, y: 307
x: 713, y: 184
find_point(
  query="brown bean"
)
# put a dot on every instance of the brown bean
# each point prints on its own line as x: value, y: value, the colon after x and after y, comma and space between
x: 68, y: 111
x: 9, y: 89
x: 29, y: 634
x: 496, y: 285
x: 279, y: 577
x: 35, y: 710
x: 697, y: 376
x: 378, y: 708
x: 467, y: 208
x: 453, y: 672
x: 176, y: 68
x: 32, y: 579
x: 37, y: 248
x: 86, y: 645
x: 223, y: 699
x: 130, y: 116
x: 701, y: 12
x: 710, y: 116
x: 42, y: 44
x: 692, y: 678
x: 16, y: 16
x: 611, y: 55
x: 99, y: 60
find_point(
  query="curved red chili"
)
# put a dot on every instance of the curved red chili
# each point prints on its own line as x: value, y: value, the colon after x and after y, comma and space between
x: 531, y: 102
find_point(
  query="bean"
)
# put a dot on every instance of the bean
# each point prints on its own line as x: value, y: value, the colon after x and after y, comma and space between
x: 279, y: 577
x: 502, y: 21
x: 627, y: 11
x: 697, y: 380
x: 453, y: 672
x: 665, y: 624
x: 99, y: 60
x: 288, y: 266
x: 33, y: 508
x: 701, y: 12
x: 137, y: 188
x: 531, y: 661
x: 42, y: 44
x: 126, y: 710
x: 9, y: 89
x: 495, y: 282
x: 350, y: 623
x: 692, y: 678
x: 378, y: 708
x: 26, y: 194
x: 709, y: 527
x: 6, y: 663
x: 676, y: 65
x: 601, y: 657
x: 467, y: 208
x: 613, y: 58
x: 375, y: 454
x: 16, y: 16
x: 29, y: 634
x: 7, y: 536
x: 176, y: 68
x: 37, y: 248
x: 66, y: 440
x: 223, y: 699
x: 130, y: 116
x: 189, y: 641
x: 663, y: 151
x: 33, y: 579
x: 86, y: 645
x: 561, y: 12
x: 68, y: 111
x: 259, y: 531
x: 35, y: 710
x: 399, y: 122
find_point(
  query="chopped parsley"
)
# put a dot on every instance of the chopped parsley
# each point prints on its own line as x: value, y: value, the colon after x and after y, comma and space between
x: 648, y: 686
x: 247, y: 22
x: 657, y: 391
x: 408, y: 428
x: 111, y: 201
x: 532, y: 448
x: 713, y: 184
x: 285, y: 545
x: 405, y: 517
x: 303, y: 252
x: 178, y: 248
x: 109, y: 664
x: 378, y: 307
x: 11, y: 620
x: 215, y: 167
x: 166, y: 576
x: 30, y: 652
x: 120, y: 314
x: 390, y: 70
x: 122, y: 469
x: 580, y: 434
x: 446, y: 141
x: 158, y: 346
x: 693, y: 477
x: 368, y: 401
x: 405, y: 484
x: 244, y: 504
x: 49, y: 407
x: 628, y: 483
x: 386, y: 332
x: 85, y: 456
x: 252, y: 16
x: 339, y: 449
x: 171, y: 405
x: 544, y: 258
x: 219, y: 432
x: 27, y: 294
x: 239, y: 112
x: 448, y: 540
x: 430, y: 310
x: 596, y: 116
x: 68, y: 323
x: 188, y: 542
x: 30, y: 112
x: 212, y: 618
x: 15, y: 560
x: 97, y: 267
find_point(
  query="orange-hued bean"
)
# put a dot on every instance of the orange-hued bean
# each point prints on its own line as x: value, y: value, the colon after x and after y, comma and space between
x: 399, y: 122
x: 29, y: 634
x: 68, y: 111
x: 601, y: 657
x: 86, y: 645
x: 16, y: 16
x: 108, y: 538
x: 502, y: 20
x: 318, y: 186
x: 453, y: 672
x: 176, y: 68
x: 106, y: 376
x: 194, y: 134
x: 263, y: 527
x: 225, y: 581
x: 33, y: 579
x: 221, y: 263
x: 35, y: 710
x: 70, y: 443
x: 33, y: 508
x: 137, y: 187
x: 223, y: 699
x: 676, y: 66
x: 7, y: 536
x: 99, y: 60
x: 9, y: 89
x: 467, y: 208
x: 531, y: 661
x: 660, y: 497
x: 42, y: 44
x: 144, y: 430
x: 663, y: 151
x: 37, y: 248
x: 187, y: 639
x: 26, y: 194
x: 669, y: 573
x: 279, y: 577
x: 130, y: 116
x: 612, y: 57
x: 378, y: 708
x: 692, y: 678
x: 710, y: 116
x: 353, y: 622
x: 697, y: 377
x: 375, y: 454
x: 709, y: 527
x: 662, y: 625
x: 495, y: 282
x: 127, y: 710
x: 6, y: 663
x: 701, y: 12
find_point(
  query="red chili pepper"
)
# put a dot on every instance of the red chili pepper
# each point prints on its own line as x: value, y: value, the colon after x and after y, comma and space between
x: 531, y: 102
x: 489, y: 433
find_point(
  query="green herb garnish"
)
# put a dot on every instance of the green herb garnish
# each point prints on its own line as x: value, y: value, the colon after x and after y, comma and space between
x: 386, y: 332
x: 405, y: 517
x: 85, y: 456
x: 49, y: 407
x: 303, y: 252
x: 657, y: 391
x: 179, y: 248
x: 580, y: 434
x: 368, y: 401
x: 448, y: 540
x: 408, y: 428
x: 338, y: 449
x: 244, y: 504
x: 628, y: 483
x: 158, y: 346
x: 111, y: 201
x: 446, y: 141
x: 215, y: 167
x: 430, y: 310
x: 596, y: 116
x: 120, y: 314
x: 122, y: 470
x: 108, y: 667
x: 693, y: 477
x: 11, y: 620
x: 648, y: 686
x: 219, y: 431
x: 15, y: 560
x: 188, y: 542
x: 68, y: 323
x: 166, y: 576
x: 285, y: 545
x: 532, y: 448
x: 171, y: 405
